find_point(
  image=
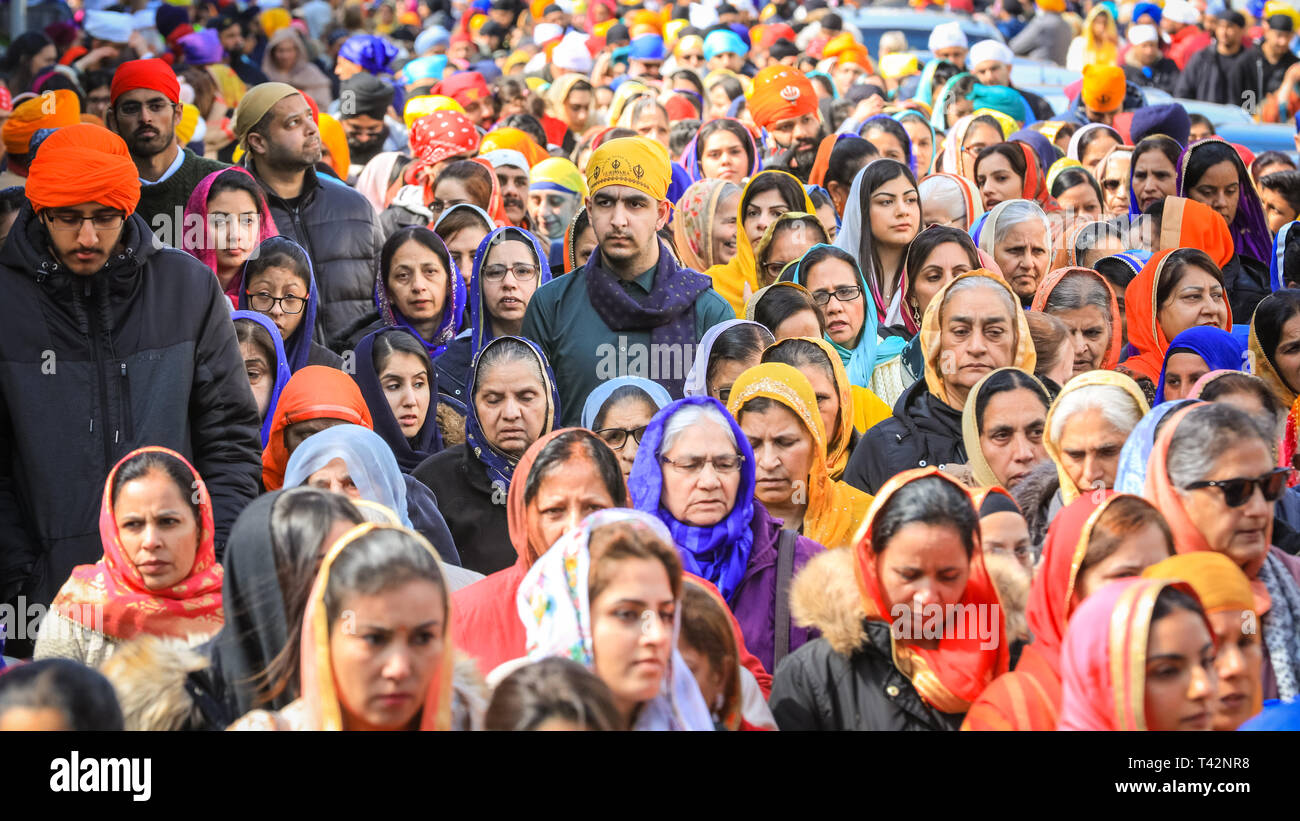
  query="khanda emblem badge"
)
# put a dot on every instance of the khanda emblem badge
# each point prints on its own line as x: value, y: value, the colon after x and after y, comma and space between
x: 638, y: 170
x: 615, y: 165
x: 790, y: 93
x: 595, y: 173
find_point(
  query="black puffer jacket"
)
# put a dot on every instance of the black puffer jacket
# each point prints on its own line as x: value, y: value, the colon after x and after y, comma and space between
x: 1246, y: 281
x: 845, y: 680
x: 338, y: 229
x: 143, y: 352
x: 923, y: 431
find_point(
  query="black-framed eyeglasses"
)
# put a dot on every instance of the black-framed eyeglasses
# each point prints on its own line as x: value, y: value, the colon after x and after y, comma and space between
x: 616, y: 438
x: 774, y: 269
x: 846, y: 294
x: 522, y: 271
x: 1236, y: 492
x: 72, y: 221
x: 721, y: 464
x: 263, y: 302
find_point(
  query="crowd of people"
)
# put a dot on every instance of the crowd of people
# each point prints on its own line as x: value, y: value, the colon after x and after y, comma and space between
x: 627, y: 365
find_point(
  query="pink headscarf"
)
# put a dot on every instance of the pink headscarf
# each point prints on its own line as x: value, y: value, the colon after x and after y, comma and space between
x: 194, y: 236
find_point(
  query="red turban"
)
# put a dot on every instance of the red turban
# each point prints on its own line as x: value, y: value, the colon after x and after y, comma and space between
x: 153, y: 74
x: 781, y: 93
x: 465, y: 87
x: 774, y: 32
x: 83, y: 163
x: 443, y: 134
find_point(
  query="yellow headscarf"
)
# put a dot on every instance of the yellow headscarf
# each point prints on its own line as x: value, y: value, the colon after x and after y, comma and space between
x: 421, y: 106
x: 1100, y: 52
x: 637, y: 162
x: 1024, y: 358
x: 970, y: 435
x: 626, y: 92
x: 857, y: 403
x: 1068, y: 490
x: 836, y: 512
x: 273, y: 20
x: 737, y: 280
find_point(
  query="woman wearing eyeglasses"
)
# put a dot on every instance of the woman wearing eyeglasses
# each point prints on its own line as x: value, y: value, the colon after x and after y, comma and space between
x: 1213, y: 476
x: 278, y: 282
x: 1113, y: 173
x: 618, y: 412
x: 696, y: 471
x: 727, y: 350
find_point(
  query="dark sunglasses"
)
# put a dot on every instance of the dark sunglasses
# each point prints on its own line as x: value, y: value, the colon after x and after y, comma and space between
x: 1236, y: 492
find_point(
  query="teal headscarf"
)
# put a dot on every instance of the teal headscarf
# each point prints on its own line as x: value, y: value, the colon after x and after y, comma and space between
x: 934, y: 140
x: 939, y: 117
x: 924, y: 92
x: 871, y: 350
x: 835, y: 92
x: 1003, y: 99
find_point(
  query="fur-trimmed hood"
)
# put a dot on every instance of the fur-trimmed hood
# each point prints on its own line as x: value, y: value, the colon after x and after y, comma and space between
x: 824, y: 595
x: 149, y: 675
x: 1034, y: 494
x: 1012, y: 581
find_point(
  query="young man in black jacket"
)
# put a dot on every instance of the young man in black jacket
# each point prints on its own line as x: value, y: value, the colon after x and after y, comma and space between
x: 109, y: 341
x: 336, y: 225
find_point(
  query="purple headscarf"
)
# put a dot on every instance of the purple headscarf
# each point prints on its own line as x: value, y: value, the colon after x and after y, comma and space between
x: 282, y: 372
x: 1250, y: 234
x: 453, y: 304
x: 691, y: 156
x: 371, y: 53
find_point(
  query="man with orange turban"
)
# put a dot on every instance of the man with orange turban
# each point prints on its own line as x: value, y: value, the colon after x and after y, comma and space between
x: 53, y: 109
x: 108, y: 342
x: 144, y: 108
x: 783, y: 103
x: 632, y: 310
x: 1104, y: 93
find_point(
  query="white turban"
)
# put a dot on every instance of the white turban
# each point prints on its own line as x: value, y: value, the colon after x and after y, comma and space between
x: 948, y: 35
x: 1137, y: 35
x: 986, y: 50
x: 571, y: 53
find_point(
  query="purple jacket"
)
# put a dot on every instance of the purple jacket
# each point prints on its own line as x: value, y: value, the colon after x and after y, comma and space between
x: 754, y: 603
x: 1268, y: 681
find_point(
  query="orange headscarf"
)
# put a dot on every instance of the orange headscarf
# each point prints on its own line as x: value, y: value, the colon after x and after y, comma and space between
x: 53, y: 109
x: 314, y: 392
x: 316, y: 671
x: 496, y: 204
x: 950, y: 677
x: 1115, y: 319
x: 823, y: 162
x: 110, y: 596
x: 336, y: 145
x: 1187, y: 223
x: 1144, y: 331
x: 1218, y: 582
x: 83, y: 163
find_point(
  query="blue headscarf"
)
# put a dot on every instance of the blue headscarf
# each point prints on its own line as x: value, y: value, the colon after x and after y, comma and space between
x: 979, y: 226
x: 597, y: 398
x: 1044, y: 148
x: 453, y: 303
x: 813, y: 189
x: 479, y: 319
x: 370, y: 463
x: 720, y: 552
x: 372, y: 53
x: 1131, y: 473
x: 282, y: 372
x: 297, y: 348
x: 423, y: 68
x: 924, y: 90
x: 1277, y: 262
x: 871, y: 350
x: 499, y: 466
x: 1221, y: 351
x: 428, y: 439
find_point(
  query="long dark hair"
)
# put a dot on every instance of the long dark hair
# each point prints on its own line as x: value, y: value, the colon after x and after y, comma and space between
x: 790, y: 189
x: 1273, y: 312
x: 931, y: 500
x: 876, y: 174
x: 731, y: 127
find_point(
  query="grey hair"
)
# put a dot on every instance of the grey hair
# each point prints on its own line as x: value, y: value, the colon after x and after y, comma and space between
x: 1016, y: 212
x: 1204, y: 434
x: 942, y: 195
x: 1116, y: 405
x: 970, y: 283
x: 689, y: 415
x: 1079, y: 290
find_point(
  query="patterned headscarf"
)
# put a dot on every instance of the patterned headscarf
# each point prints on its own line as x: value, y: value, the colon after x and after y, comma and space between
x: 693, y: 222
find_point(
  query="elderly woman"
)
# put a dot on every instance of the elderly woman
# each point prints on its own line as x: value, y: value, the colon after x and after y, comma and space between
x: 608, y: 595
x: 1085, y: 302
x: 921, y: 549
x: 1002, y: 428
x: 1086, y: 428
x: 513, y: 401
x: 1019, y: 236
x: 951, y: 200
x: 1208, y: 462
x: 974, y: 325
x: 696, y: 471
x: 777, y: 409
x: 1089, y: 544
x: 618, y: 412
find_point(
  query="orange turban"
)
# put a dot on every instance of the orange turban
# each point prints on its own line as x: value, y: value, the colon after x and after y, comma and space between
x: 513, y: 139
x: 336, y: 143
x: 781, y: 93
x: 844, y: 47
x: 53, y: 109
x: 1103, y: 87
x: 83, y: 163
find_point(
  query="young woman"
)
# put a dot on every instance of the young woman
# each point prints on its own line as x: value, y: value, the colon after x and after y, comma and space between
x: 707, y: 643
x: 1229, y: 605
x: 618, y: 412
x: 786, y: 309
x: 1211, y: 172
x: 1054, y: 350
x: 786, y: 240
x: 890, y: 139
x: 1138, y: 655
x: 376, y: 647
x: 1085, y: 302
x: 1002, y: 428
x: 1176, y: 290
x: 723, y: 149
x: 551, y: 694
x: 705, y: 224
x: 608, y: 595
x: 1077, y: 192
x: 858, y: 676
x: 513, y: 401
x: 1154, y: 175
x: 777, y: 409
x: 695, y: 470
x: 278, y: 282
x: 726, y: 351
x: 397, y: 380
x: 1092, y: 142
x: 937, y: 255
x: 924, y: 140
x: 1193, y: 354
x: 1007, y: 171
x: 265, y: 363
x: 462, y: 227
x: 1018, y: 235
x: 972, y: 326
x: 579, y: 242
x: 232, y: 219
x: 1275, y: 345
x: 969, y: 136
x: 1089, y: 544
x: 352, y: 460
x: 159, y: 575
x: 882, y: 217
x: 562, y: 478
x: 1208, y: 461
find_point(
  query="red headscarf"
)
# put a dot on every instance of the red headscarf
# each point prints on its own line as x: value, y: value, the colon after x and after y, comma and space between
x: 950, y: 677
x: 1144, y: 331
x: 434, y: 138
x: 1115, y: 319
x: 110, y: 596
x: 1187, y: 223
x: 314, y: 392
x: 83, y: 163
